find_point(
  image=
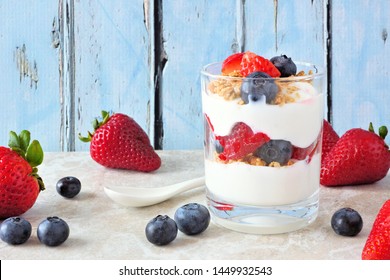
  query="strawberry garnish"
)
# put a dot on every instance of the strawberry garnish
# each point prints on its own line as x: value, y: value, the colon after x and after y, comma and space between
x: 377, y: 246
x: 252, y: 62
x: 240, y: 142
x: 359, y: 157
x: 20, y: 184
x: 232, y: 63
x: 119, y: 142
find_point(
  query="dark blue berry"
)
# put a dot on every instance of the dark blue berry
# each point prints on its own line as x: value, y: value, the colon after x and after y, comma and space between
x: 53, y: 231
x: 285, y: 65
x: 192, y: 218
x: 275, y: 151
x: 257, y: 86
x: 218, y: 147
x: 161, y: 230
x: 68, y: 187
x: 347, y: 222
x: 15, y: 230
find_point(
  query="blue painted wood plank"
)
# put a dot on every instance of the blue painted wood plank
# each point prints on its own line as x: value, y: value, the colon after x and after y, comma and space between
x: 294, y: 28
x: 113, y: 62
x: 360, y: 65
x: 29, y: 77
x: 195, y: 33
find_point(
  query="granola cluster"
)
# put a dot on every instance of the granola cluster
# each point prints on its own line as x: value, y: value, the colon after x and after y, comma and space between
x: 229, y: 89
x: 254, y: 160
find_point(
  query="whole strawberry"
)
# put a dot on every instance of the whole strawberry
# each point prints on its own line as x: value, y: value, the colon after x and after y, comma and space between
x: 19, y: 182
x: 359, y: 157
x: 119, y: 142
x: 329, y: 139
x: 377, y: 246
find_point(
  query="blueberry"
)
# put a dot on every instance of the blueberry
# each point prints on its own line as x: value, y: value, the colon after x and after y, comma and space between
x: 347, y: 222
x: 161, y: 230
x: 257, y: 86
x: 192, y: 218
x: 15, y: 230
x: 275, y: 151
x: 218, y: 147
x: 285, y: 65
x: 68, y: 187
x: 53, y: 231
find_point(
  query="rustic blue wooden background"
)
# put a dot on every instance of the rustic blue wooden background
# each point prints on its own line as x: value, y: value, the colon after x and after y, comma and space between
x: 64, y: 61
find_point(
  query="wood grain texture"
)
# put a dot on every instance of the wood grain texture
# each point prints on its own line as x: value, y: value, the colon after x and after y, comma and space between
x: 29, y: 81
x: 360, y: 64
x: 112, y: 62
x: 64, y: 61
x: 294, y: 28
x: 195, y: 33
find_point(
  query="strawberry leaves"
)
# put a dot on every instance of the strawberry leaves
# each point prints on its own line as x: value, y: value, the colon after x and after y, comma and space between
x: 31, y: 152
x: 95, y: 124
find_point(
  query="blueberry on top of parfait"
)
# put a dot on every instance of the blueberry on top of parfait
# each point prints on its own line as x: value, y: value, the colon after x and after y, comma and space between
x: 258, y: 86
x: 285, y: 65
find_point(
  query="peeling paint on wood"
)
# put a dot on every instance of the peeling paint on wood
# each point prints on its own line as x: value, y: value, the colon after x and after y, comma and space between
x: 55, y: 36
x: 142, y: 57
x: 26, y: 68
x: 276, y: 3
x: 384, y: 35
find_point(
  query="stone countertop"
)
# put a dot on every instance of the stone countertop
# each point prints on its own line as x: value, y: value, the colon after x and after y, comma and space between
x: 103, y: 230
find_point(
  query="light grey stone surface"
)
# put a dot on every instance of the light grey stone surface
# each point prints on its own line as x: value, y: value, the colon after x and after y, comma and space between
x: 103, y: 230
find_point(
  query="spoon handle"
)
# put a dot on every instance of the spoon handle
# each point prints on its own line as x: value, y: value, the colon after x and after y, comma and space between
x: 186, y: 185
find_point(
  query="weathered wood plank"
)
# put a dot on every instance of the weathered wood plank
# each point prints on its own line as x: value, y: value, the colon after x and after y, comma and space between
x: 360, y: 65
x: 195, y: 33
x: 112, y: 62
x: 29, y: 77
x: 294, y: 28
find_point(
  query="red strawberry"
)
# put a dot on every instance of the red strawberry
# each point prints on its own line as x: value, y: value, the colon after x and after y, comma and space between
x: 20, y: 184
x: 240, y: 142
x: 329, y: 139
x: 358, y: 157
x: 377, y: 246
x: 119, y: 142
x: 232, y: 63
x: 252, y: 62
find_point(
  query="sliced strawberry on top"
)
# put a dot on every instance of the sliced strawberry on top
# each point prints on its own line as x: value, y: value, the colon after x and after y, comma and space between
x: 252, y: 62
x: 240, y: 142
x: 377, y: 246
x: 232, y: 63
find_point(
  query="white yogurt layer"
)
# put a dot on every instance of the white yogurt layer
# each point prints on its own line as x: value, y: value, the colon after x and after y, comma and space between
x: 299, y: 122
x: 241, y: 183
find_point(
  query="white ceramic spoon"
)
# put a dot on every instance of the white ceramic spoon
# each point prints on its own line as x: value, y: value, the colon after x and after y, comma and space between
x: 139, y: 197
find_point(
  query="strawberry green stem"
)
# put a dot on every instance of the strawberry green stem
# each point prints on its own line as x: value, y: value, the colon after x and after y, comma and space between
x: 31, y: 152
x: 95, y: 124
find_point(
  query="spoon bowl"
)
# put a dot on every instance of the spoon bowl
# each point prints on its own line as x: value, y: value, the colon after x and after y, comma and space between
x: 140, y: 197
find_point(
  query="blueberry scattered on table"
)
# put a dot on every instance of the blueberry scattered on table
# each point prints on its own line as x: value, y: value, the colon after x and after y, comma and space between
x: 68, y: 187
x: 347, y: 222
x: 257, y: 86
x: 161, y: 230
x: 53, y: 231
x: 15, y: 230
x: 275, y: 151
x: 192, y: 218
x: 285, y: 65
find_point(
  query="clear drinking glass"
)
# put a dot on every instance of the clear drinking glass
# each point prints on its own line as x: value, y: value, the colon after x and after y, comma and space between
x: 263, y: 148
